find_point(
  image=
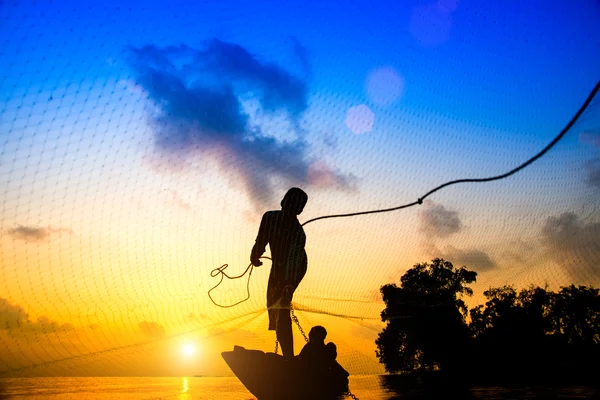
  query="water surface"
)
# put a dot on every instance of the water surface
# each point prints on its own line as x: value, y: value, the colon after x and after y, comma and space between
x: 367, y: 387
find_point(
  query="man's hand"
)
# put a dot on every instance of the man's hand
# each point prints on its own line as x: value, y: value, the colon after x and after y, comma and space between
x: 256, y: 262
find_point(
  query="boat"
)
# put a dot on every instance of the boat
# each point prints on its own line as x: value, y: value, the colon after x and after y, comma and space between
x: 269, y: 376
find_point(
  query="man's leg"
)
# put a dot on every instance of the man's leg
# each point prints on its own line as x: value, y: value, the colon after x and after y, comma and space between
x: 284, y: 333
x: 284, y: 323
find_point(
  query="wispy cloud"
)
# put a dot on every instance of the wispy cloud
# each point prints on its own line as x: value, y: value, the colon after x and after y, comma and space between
x: 176, y: 200
x: 592, y: 167
x: 200, y: 97
x: 575, y: 245
x: 590, y: 138
x: 593, y: 172
x: 437, y: 220
x: 14, y: 319
x: 34, y: 233
x: 474, y: 259
x: 152, y: 329
x: 519, y: 252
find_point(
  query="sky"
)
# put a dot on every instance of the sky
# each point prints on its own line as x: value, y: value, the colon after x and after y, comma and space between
x: 141, y: 144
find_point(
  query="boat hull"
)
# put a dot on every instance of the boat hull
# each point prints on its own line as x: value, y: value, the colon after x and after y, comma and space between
x: 269, y: 376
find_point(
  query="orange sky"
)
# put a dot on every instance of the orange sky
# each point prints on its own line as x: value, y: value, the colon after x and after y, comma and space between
x: 123, y: 291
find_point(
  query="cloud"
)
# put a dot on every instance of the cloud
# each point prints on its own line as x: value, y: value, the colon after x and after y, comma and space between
x: 473, y: 259
x: 518, y: 251
x: 13, y: 318
x: 176, y: 200
x: 319, y: 174
x: 200, y: 97
x: 29, y: 233
x: 152, y: 329
x: 35, y: 234
x: 593, y: 172
x: 592, y: 138
x: 438, y: 221
x: 301, y: 54
x: 575, y: 245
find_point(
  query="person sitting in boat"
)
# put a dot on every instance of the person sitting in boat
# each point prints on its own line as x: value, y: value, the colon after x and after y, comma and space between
x: 286, y: 239
x: 331, y: 351
x: 315, y: 352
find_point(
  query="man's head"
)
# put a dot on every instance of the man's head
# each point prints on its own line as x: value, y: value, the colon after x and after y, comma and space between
x: 317, y: 334
x: 294, y: 201
x: 332, y: 350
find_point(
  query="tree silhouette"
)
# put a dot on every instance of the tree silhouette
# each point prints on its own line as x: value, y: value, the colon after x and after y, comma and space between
x: 575, y: 326
x: 510, y: 331
x: 526, y: 337
x: 426, y: 328
x: 537, y: 335
x: 575, y: 315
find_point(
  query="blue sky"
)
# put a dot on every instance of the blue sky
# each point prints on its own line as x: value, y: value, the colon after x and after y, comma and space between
x: 483, y: 87
x: 516, y: 68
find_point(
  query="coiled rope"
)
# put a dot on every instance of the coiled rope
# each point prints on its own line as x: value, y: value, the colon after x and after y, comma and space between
x: 221, y: 271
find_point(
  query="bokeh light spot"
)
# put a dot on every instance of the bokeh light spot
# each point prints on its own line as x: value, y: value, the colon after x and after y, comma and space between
x: 384, y: 86
x: 360, y: 119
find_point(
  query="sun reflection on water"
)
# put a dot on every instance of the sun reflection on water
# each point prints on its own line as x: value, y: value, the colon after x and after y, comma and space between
x: 185, y: 387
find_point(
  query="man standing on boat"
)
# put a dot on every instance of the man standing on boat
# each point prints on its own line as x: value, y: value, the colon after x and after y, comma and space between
x: 286, y: 239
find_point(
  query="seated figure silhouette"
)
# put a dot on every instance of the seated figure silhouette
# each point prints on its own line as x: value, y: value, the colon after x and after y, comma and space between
x: 331, y: 351
x: 315, y: 352
x: 286, y: 239
x: 314, y: 374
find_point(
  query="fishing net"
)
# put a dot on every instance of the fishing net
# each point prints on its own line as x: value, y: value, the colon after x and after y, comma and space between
x: 140, y: 146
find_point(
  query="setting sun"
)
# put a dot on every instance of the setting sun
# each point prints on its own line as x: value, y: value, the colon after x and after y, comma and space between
x: 189, y: 349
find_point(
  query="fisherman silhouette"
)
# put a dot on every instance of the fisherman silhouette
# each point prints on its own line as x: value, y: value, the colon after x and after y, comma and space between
x: 286, y: 239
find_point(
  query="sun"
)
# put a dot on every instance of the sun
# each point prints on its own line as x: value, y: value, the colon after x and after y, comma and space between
x: 189, y: 349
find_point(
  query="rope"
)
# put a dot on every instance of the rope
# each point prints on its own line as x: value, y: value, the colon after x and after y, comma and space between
x: 221, y: 271
x: 419, y: 201
x: 489, y: 179
x: 295, y: 319
x: 454, y: 182
x: 297, y: 322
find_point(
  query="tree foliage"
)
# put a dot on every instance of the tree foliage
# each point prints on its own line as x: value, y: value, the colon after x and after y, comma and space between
x: 537, y: 334
x: 426, y: 328
x: 527, y: 336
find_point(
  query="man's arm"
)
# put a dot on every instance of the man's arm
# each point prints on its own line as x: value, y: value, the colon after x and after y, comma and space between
x: 261, y: 241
